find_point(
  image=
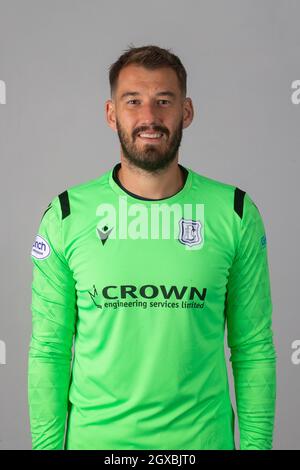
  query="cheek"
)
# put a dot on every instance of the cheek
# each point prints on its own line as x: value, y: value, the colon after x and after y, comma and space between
x: 128, y: 124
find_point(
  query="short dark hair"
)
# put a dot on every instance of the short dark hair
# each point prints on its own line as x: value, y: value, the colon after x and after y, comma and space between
x: 151, y: 57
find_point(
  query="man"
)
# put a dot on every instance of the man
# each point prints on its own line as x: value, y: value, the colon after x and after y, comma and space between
x: 144, y: 266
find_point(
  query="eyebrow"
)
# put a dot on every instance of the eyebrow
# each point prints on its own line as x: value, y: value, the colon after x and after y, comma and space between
x: 171, y: 94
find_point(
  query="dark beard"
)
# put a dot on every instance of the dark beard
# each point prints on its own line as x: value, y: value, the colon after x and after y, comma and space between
x: 150, y: 159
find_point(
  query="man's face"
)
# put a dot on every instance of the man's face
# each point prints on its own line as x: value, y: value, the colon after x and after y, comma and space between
x: 141, y: 106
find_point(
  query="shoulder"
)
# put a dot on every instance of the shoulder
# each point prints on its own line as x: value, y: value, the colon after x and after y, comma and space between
x: 78, y: 194
x: 224, y: 194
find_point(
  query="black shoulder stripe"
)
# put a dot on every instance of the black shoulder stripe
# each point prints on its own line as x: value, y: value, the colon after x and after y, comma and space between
x: 64, y: 204
x: 48, y: 207
x: 239, y: 195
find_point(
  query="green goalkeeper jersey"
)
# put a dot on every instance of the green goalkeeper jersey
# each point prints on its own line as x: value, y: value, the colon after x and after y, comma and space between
x: 145, y: 288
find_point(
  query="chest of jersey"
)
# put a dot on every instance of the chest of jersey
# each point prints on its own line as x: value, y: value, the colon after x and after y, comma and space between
x: 154, y: 259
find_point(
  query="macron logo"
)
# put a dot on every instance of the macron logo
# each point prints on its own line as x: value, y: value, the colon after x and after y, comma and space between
x: 104, y: 233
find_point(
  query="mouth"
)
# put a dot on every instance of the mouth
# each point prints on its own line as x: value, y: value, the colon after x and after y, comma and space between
x: 152, y: 137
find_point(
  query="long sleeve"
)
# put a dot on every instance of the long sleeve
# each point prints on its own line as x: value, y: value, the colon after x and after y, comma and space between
x: 248, y: 309
x: 53, y: 310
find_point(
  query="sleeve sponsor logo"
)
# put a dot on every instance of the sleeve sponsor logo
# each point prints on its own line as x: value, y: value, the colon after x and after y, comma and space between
x: 40, y: 248
x: 263, y: 241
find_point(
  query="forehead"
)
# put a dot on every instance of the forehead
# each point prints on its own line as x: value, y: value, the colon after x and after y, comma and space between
x: 138, y: 78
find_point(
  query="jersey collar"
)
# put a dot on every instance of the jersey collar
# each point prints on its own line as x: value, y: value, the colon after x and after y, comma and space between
x: 117, y: 186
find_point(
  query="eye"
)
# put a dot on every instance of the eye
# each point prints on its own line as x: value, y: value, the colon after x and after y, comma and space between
x: 166, y: 101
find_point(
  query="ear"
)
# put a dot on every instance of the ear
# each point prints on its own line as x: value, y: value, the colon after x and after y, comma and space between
x: 188, y: 112
x: 110, y: 114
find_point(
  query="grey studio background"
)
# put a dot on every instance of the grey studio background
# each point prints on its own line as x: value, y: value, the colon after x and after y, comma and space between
x: 243, y: 64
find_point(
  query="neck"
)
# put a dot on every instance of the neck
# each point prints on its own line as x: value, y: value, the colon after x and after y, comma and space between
x: 159, y: 185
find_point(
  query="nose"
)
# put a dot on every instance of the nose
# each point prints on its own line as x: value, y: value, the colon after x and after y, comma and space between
x: 149, y: 115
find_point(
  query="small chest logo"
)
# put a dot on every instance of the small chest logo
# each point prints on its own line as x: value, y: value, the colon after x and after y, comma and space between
x: 104, y: 233
x: 190, y: 232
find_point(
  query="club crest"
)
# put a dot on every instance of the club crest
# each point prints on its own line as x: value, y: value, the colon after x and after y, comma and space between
x: 190, y: 232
